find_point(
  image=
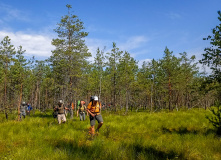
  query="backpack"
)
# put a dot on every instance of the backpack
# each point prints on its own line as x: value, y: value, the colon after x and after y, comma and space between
x: 55, y: 114
x: 82, y: 108
x: 95, y: 109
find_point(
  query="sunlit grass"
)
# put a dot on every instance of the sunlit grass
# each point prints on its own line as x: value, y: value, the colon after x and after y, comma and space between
x: 141, y: 135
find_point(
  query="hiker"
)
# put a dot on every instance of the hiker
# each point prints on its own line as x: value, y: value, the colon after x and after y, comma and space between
x: 70, y: 109
x: 61, y: 112
x: 23, y: 108
x: 29, y: 108
x: 81, y: 109
x: 94, y: 109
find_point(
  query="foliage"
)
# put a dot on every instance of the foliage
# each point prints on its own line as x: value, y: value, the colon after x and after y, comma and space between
x: 216, y: 118
x: 212, y: 57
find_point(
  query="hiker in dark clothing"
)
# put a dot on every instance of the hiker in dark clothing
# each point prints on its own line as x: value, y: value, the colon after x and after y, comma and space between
x: 29, y: 108
x: 23, y: 108
x: 61, y: 112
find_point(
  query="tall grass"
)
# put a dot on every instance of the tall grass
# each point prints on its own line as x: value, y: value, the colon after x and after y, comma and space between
x: 141, y: 135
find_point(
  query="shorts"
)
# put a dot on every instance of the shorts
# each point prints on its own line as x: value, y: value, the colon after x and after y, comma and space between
x: 61, y: 117
x: 97, y: 117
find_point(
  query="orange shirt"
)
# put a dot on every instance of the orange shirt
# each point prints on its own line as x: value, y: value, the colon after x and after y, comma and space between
x: 72, y: 105
x: 94, y: 108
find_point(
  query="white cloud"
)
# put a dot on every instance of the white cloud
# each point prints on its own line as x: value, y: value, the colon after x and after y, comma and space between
x: 133, y: 43
x: 11, y: 13
x: 128, y: 45
x: 93, y: 44
x: 37, y: 45
x: 198, y: 53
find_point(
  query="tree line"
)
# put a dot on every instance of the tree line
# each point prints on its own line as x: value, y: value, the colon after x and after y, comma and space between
x: 172, y: 82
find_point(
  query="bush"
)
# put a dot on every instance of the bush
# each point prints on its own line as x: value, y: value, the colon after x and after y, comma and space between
x: 216, y: 118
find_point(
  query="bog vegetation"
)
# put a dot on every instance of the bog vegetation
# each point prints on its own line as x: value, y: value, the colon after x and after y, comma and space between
x: 137, y: 135
x: 172, y: 83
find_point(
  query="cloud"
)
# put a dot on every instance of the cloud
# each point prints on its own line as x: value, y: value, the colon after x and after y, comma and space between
x: 38, y: 45
x: 133, y: 43
x: 93, y: 44
x: 9, y: 13
x: 198, y: 54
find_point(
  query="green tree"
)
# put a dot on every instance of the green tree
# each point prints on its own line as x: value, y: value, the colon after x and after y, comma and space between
x: 69, y: 58
x: 212, y: 57
x: 99, y: 65
x: 6, y: 54
x: 113, y: 60
x: 127, y: 70
x: 189, y: 70
x: 170, y: 72
x: 17, y: 75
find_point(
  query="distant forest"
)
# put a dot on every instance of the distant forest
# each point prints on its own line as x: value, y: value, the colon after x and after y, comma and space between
x: 171, y: 82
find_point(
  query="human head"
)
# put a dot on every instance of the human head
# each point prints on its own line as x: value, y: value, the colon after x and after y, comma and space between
x: 23, y: 103
x: 82, y: 102
x: 96, y: 98
x: 60, y: 102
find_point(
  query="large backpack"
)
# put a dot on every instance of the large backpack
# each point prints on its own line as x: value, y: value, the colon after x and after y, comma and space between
x: 55, y: 114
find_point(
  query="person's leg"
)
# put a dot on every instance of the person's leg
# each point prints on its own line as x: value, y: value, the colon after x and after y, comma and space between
x: 63, y: 118
x: 80, y: 115
x: 83, y: 116
x: 99, y: 126
x: 92, y: 123
x: 71, y: 114
x: 23, y: 114
x: 100, y: 121
x: 59, y: 118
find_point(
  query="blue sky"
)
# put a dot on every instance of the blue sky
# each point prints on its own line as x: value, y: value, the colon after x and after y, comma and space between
x: 142, y: 27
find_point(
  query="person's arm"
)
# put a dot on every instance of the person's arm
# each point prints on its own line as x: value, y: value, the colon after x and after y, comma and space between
x: 88, y: 111
x: 77, y: 112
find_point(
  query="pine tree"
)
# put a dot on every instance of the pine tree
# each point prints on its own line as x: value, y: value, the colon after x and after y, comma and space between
x: 69, y: 58
x: 112, y: 64
x: 127, y: 70
x: 6, y: 54
x: 170, y: 72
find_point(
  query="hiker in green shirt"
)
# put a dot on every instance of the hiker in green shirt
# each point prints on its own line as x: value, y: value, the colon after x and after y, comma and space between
x: 81, y: 109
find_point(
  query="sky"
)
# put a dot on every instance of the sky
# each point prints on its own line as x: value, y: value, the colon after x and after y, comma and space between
x: 141, y: 27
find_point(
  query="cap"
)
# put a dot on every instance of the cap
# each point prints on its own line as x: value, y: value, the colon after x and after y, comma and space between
x: 95, y: 98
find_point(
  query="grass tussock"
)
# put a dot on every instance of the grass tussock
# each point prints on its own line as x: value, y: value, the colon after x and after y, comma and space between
x: 141, y: 135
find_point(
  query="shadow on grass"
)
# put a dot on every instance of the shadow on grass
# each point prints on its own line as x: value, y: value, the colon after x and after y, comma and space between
x: 181, y: 130
x: 76, y: 149
x: 184, y: 130
x: 153, y: 153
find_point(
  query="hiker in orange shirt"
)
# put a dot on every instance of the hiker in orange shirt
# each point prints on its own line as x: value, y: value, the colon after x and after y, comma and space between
x: 94, y: 109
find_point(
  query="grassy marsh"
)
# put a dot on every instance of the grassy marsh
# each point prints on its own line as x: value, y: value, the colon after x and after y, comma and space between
x: 137, y: 135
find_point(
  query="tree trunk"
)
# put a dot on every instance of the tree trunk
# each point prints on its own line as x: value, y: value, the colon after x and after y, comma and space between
x: 19, y: 103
